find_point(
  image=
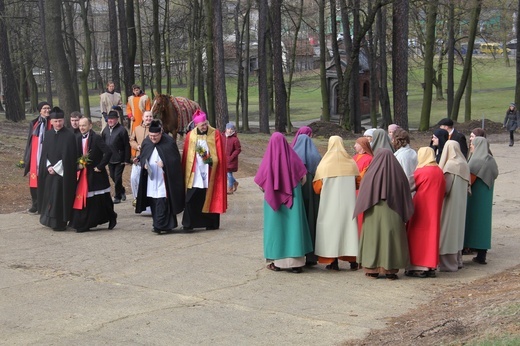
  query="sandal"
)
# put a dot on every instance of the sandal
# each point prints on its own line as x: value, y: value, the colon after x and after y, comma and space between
x: 372, y: 275
x: 479, y: 260
x: 416, y: 273
x: 392, y: 276
x: 272, y: 267
x: 333, y: 266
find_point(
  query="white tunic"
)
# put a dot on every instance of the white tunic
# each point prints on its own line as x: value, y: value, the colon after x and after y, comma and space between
x: 336, y: 230
x: 156, y: 187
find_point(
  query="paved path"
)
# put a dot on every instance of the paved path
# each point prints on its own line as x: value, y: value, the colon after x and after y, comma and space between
x: 130, y: 286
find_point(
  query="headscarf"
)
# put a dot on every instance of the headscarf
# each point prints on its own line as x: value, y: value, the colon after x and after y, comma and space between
x: 307, y: 152
x: 380, y: 140
x: 279, y: 172
x: 443, y: 136
x: 336, y: 162
x: 365, y: 144
x: 385, y: 180
x: 426, y: 157
x: 304, y: 130
x: 453, y: 161
x: 369, y: 133
x: 481, y: 163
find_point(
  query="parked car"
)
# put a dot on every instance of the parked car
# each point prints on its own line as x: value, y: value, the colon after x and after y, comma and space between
x: 492, y: 48
x: 511, y: 44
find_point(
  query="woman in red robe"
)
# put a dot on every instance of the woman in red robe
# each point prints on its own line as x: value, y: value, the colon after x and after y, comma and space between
x: 363, y: 158
x: 423, y: 229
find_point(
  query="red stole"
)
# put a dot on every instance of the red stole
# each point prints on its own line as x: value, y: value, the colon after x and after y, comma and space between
x: 80, y: 201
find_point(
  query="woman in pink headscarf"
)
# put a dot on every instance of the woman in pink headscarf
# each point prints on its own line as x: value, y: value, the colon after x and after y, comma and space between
x: 286, y: 232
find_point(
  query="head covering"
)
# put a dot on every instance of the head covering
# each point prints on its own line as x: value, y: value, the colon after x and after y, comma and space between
x: 230, y: 125
x: 443, y: 136
x: 41, y: 104
x: 307, y: 152
x: 512, y: 104
x: 199, y: 117
x: 393, y: 127
x: 385, y: 180
x: 279, y: 172
x: 446, y: 121
x: 481, y: 163
x: 57, y: 113
x: 369, y: 133
x: 453, y: 161
x: 365, y: 144
x: 113, y: 115
x: 426, y: 157
x: 155, y: 126
x: 336, y: 162
x: 304, y: 130
x: 135, y: 86
x: 380, y: 140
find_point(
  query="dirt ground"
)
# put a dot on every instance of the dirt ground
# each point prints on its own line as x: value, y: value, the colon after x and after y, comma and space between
x: 484, y: 310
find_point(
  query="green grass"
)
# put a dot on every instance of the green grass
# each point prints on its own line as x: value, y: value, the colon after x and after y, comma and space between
x: 493, y: 90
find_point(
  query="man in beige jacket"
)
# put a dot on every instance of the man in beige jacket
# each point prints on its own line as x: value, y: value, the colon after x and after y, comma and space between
x: 108, y: 99
x: 136, y: 139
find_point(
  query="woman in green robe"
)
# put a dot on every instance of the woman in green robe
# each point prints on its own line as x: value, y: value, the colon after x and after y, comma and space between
x: 484, y: 171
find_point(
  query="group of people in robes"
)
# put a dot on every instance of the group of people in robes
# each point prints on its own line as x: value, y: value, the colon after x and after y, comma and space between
x: 385, y: 209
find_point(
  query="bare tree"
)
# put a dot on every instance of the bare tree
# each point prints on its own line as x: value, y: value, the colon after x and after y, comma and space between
x: 128, y: 74
x: 114, y: 43
x: 210, y: 72
x: 59, y: 63
x: 431, y: 20
x: 400, y: 61
x: 13, y: 107
x: 221, y: 108
x: 85, y: 71
x: 45, y: 54
x: 263, y: 95
x: 384, y: 98
x: 279, y: 84
x: 325, y: 109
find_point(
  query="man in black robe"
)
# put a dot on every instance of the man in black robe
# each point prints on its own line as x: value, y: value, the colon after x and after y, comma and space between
x: 93, y: 204
x: 57, y: 174
x: 161, y: 185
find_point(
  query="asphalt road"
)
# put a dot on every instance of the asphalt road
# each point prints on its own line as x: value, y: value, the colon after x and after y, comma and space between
x: 130, y: 286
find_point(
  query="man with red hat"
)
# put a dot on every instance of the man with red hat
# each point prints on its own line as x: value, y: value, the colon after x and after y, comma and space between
x: 205, y: 176
x: 33, y: 149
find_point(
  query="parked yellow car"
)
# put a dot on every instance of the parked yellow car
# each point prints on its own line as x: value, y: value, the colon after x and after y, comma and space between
x: 492, y: 48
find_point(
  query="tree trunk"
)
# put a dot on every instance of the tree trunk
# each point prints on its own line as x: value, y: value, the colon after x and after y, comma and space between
x: 239, y: 36
x: 400, y: 62
x: 45, y: 53
x: 371, y: 53
x: 325, y: 109
x: 280, y: 92
x: 128, y: 70
x: 59, y: 63
x: 245, y: 80
x: 70, y: 48
x: 467, y: 97
x: 263, y: 94
x: 114, y: 44
x: 221, y: 108
x: 292, y: 65
x: 166, y: 48
x: 14, y: 110
x: 210, y: 56
x: 384, y: 97
x: 473, y: 24
x: 157, y: 48
x: 87, y: 55
x: 132, y: 38
x: 431, y: 20
x: 451, y: 56
x: 140, y: 48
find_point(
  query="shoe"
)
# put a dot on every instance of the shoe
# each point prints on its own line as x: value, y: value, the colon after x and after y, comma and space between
x: 134, y: 203
x: 82, y: 230
x: 415, y: 273
x: 123, y: 197
x: 235, y: 186
x: 272, y: 267
x: 511, y: 142
x: 230, y: 191
x: 392, y: 276
x: 430, y: 273
x: 297, y: 270
x: 333, y: 266
x: 354, y: 266
x: 59, y: 229
x: 479, y: 260
x: 372, y: 275
x: 112, y: 223
x: 32, y: 210
x: 117, y: 200
x: 187, y: 229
